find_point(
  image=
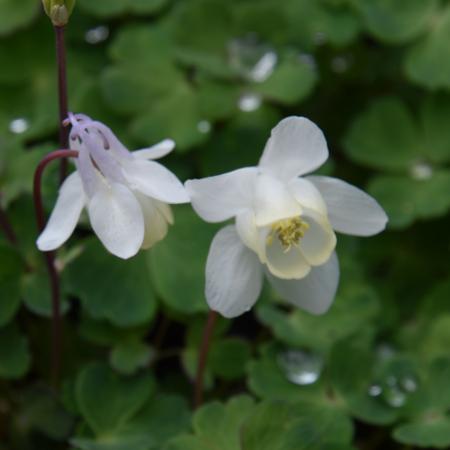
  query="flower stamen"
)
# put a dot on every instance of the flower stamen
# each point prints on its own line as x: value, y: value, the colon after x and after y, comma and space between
x: 288, y: 231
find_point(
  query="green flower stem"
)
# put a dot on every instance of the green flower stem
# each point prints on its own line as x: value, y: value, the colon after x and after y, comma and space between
x: 50, y: 262
x: 62, y: 95
x: 203, y: 357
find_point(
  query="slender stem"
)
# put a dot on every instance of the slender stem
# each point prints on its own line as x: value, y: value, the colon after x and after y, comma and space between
x: 50, y: 262
x: 6, y: 226
x: 62, y: 95
x: 203, y: 357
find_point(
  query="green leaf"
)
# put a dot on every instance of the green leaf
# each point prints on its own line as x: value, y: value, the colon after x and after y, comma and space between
x: 407, y: 199
x: 162, y: 418
x: 435, y: 433
x: 15, y: 359
x: 19, y: 167
x: 392, y: 21
x: 281, y: 426
x: 13, y: 17
x: 124, y: 296
x: 374, y: 142
x: 435, y: 117
x: 428, y: 409
x: 39, y: 410
x: 291, y: 82
x: 352, y: 381
x: 107, y: 401
x: 11, y: 268
x: 176, y: 116
x: 354, y: 308
x: 111, y: 8
x: 314, y: 23
x: 130, y: 355
x: 216, y: 423
x: 37, y: 294
x: 228, y: 357
x: 427, y: 62
x: 177, y: 263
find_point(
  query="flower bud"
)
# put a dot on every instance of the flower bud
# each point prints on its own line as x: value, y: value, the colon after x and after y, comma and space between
x: 59, y: 11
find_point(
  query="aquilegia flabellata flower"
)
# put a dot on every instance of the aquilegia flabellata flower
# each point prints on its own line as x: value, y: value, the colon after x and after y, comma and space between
x: 284, y: 223
x: 126, y: 194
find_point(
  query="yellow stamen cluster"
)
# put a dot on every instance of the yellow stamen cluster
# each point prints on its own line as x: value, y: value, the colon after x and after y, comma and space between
x: 288, y: 231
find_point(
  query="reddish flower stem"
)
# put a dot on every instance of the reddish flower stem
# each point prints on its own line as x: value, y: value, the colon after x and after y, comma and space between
x: 203, y: 358
x: 62, y: 96
x: 50, y: 262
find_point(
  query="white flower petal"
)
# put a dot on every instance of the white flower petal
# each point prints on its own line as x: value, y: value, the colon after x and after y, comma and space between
x: 159, y: 150
x: 154, y: 180
x: 233, y: 274
x: 117, y: 219
x: 319, y: 240
x: 296, y: 146
x: 89, y: 175
x: 156, y: 225
x: 249, y: 233
x: 308, y: 195
x: 65, y: 215
x: 350, y: 210
x: 284, y: 264
x: 314, y: 293
x: 165, y: 210
x: 219, y: 198
x: 273, y: 201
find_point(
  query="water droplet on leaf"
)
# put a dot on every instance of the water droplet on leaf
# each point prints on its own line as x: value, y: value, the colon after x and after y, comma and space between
x: 252, y: 59
x: 394, y: 396
x: 301, y: 367
x: 375, y: 390
x: 19, y: 126
x: 340, y: 64
x: 421, y: 171
x: 249, y: 102
x: 204, y: 126
x: 409, y: 384
x: 97, y: 34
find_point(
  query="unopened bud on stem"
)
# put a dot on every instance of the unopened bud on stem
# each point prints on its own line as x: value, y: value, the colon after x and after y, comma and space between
x: 59, y: 11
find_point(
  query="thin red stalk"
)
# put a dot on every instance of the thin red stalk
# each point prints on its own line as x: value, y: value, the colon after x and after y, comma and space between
x: 7, y: 228
x: 203, y: 358
x: 62, y: 95
x: 50, y: 262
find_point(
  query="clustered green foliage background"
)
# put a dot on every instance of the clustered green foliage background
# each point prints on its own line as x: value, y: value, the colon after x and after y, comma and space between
x: 375, y: 76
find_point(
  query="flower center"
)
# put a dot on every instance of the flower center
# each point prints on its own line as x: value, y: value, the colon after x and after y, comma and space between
x: 288, y: 231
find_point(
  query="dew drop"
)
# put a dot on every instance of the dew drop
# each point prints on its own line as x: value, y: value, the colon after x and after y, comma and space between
x: 340, y: 64
x: 251, y: 58
x: 204, y: 126
x: 97, y: 34
x: 375, y: 390
x: 394, y: 396
x: 249, y: 102
x: 385, y: 351
x: 409, y: 384
x: 300, y: 367
x: 19, y: 126
x: 421, y: 171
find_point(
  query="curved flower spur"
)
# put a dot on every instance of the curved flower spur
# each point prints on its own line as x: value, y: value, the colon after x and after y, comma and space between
x: 126, y: 194
x: 284, y: 224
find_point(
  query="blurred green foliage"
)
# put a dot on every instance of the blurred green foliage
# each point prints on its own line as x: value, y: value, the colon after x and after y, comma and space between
x: 216, y: 76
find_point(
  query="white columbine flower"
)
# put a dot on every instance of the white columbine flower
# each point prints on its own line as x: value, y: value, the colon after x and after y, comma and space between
x: 126, y: 194
x: 284, y: 223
